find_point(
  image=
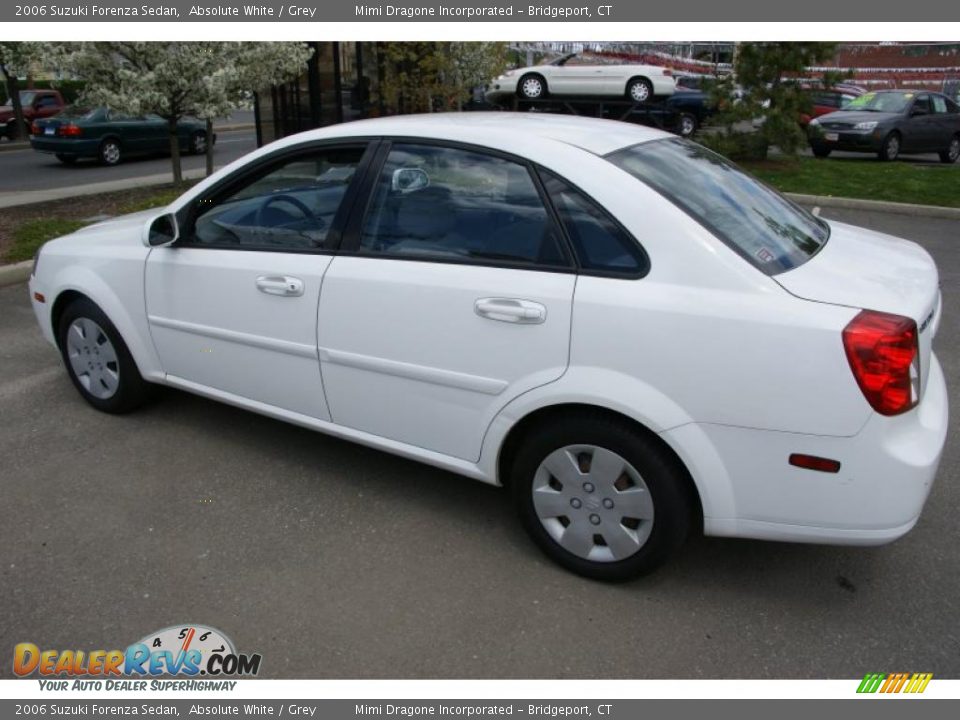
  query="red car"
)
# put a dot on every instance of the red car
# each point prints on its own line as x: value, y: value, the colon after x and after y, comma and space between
x: 36, y: 104
x: 830, y: 100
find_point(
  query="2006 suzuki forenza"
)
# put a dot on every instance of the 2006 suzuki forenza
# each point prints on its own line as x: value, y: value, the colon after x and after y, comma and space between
x: 633, y: 335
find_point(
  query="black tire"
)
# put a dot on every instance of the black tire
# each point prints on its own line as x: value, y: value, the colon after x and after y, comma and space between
x: 820, y: 152
x: 666, y: 481
x: 532, y: 87
x: 131, y: 390
x: 198, y: 142
x: 890, y: 150
x: 952, y: 152
x: 66, y: 159
x: 687, y: 124
x: 110, y: 152
x: 640, y: 90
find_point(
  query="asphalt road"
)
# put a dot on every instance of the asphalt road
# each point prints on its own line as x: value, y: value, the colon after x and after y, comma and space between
x: 30, y: 170
x: 337, y: 561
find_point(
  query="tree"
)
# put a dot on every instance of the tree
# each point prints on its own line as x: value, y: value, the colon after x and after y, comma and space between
x: 244, y: 69
x: 762, y: 101
x: 431, y: 76
x: 174, y: 80
x: 16, y: 59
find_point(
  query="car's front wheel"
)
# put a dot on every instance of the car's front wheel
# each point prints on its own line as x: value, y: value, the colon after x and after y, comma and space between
x: 98, y: 361
x: 110, y: 153
x: 687, y: 124
x: 198, y: 143
x: 820, y: 152
x: 890, y: 149
x: 600, y: 497
x: 952, y: 152
x: 532, y: 87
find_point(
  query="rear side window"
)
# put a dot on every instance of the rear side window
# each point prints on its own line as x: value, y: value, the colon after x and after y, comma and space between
x: 599, y: 242
x: 756, y: 221
x: 442, y: 203
x: 939, y: 104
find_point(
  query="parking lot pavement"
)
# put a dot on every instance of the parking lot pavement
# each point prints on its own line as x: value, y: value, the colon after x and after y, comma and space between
x: 333, y: 560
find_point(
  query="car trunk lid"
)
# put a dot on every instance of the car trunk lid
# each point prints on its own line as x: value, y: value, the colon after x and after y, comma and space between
x: 868, y: 270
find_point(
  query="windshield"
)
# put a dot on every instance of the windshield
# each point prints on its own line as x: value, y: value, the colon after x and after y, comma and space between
x: 888, y: 102
x: 756, y: 221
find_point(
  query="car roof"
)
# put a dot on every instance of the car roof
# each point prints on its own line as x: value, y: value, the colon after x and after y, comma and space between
x: 488, y: 128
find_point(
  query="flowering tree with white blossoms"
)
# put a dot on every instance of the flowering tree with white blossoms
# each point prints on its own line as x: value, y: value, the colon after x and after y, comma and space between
x: 16, y: 58
x: 179, y: 79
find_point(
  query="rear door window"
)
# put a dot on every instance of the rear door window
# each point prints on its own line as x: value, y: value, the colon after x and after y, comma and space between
x: 600, y: 243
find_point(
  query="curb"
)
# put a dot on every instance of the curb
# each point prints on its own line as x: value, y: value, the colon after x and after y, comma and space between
x: 828, y: 201
x: 32, y: 197
x: 16, y: 273
x: 16, y: 145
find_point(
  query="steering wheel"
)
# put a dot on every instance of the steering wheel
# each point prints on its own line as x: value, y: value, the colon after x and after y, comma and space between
x: 290, y: 199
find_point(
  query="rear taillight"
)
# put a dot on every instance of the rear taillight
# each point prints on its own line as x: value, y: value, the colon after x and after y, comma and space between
x: 34, y: 129
x: 885, y: 359
x: 69, y: 130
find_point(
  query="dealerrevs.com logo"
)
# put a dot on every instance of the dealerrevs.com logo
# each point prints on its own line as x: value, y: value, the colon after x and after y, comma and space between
x: 187, y: 650
x: 909, y: 683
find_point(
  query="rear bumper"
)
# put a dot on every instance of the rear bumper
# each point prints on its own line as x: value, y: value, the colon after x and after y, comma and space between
x: 81, y: 147
x: 887, y: 471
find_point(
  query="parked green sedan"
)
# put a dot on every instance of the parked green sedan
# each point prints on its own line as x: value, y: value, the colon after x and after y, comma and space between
x: 110, y: 136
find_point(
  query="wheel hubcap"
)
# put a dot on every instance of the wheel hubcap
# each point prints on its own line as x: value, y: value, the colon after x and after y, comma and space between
x: 532, y: 87
x: 593, y: 503
x: 687, y: 126
x: 638, y: 91
x: 93, y: 358
x: 111, y: 153
x: 893, y: 147
x: 955, y: 149
x: 200, y: 144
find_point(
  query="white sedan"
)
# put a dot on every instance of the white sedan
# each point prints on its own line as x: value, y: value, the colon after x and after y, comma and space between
x: 571, y: 75
x: 634, y: 336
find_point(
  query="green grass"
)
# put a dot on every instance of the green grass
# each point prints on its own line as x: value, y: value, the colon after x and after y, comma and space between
x: 869, y: 179
x: 32, y: 234
x: 161, y: 198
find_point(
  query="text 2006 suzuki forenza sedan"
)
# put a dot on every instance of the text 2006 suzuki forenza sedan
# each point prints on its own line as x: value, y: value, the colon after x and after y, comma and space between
x: 623, y: 328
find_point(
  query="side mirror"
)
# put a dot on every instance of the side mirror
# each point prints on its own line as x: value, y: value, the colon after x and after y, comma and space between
x: 161, y: 231
x: 408, y: 180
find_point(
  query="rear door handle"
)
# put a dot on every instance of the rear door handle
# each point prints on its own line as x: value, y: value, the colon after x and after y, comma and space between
x: 511, y: 310
x: 280, y: 285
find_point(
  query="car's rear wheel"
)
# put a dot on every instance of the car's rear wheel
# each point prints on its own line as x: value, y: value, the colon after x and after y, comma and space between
x: 639, y: 90
x: 532, y: 87
x: 110, y: 152
x: 198, y: 142
x: 66, y: 159
x: 98, y: 361
x: 952, y: 152
x: 820, y: 151
x: 600, y: 498
x: 890, y: 149
x: 686, y: 125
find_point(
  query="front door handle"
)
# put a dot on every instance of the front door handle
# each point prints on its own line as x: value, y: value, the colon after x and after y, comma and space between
x: 280, y: 285
x: 511, y: 310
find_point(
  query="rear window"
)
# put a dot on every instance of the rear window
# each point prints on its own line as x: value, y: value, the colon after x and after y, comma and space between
x: 756, y: 221
x: 80, y: 112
